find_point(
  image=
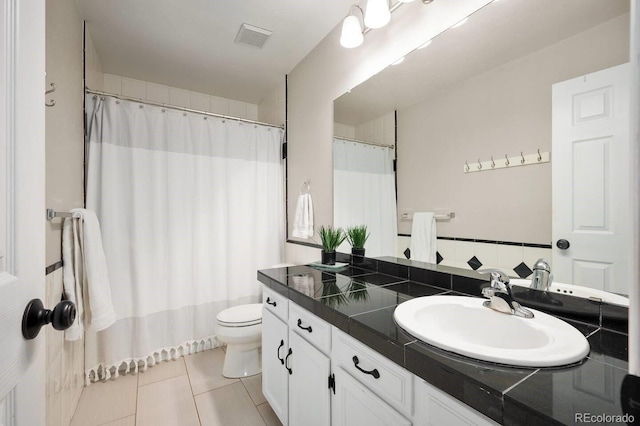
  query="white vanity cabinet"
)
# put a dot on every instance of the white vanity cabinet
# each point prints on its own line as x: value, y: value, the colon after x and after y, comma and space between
x: 315, y: 374
x: 295, y: 372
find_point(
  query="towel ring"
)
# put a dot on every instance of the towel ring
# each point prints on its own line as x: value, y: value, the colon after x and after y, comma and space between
x: 306, y: 184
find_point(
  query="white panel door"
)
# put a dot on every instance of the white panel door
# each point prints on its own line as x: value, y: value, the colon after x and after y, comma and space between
x: 22, y: 217
x: 590, y: 169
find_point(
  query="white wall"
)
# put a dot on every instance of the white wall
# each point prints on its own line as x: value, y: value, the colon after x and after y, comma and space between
x: 506, y: 110
x: 329, y: 71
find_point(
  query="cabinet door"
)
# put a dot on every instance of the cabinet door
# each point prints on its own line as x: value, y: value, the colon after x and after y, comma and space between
x: 308, y: 384
x: 434, y: 407
x: 275, y: 377
x: 355, y: 405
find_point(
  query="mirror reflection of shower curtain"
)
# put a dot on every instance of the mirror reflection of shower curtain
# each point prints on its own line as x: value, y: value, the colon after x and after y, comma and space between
x: 364, y: 193
x: 190, y: 206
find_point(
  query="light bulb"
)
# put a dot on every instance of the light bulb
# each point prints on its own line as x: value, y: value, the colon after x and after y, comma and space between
x: 351, y: 32
x: 377, y: 14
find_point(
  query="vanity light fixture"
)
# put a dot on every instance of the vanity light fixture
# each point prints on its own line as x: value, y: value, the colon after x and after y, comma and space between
x: 377, y: 14
x: 352, y: 29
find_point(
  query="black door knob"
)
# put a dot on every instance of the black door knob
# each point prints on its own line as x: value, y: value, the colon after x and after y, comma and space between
x: 35, y: 316
x: 562, y: 244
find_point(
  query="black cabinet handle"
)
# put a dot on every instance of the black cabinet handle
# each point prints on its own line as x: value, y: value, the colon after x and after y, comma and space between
x: 374, y: 372
x: 269, y: 302
x: 286, y: 361
x: 304, y: 328
x: 281, y: 345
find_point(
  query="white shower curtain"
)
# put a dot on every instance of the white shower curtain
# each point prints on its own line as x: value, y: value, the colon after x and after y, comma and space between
x: 190, y: 206
x: 364, y: 194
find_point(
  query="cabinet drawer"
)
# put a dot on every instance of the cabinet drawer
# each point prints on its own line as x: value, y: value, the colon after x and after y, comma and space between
x: 315, y: 330
x: 275, y: 303
x: 388, y: 380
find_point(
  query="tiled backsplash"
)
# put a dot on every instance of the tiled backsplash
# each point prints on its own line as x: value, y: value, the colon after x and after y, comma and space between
x: 65, y: 363
x: 515, y: 260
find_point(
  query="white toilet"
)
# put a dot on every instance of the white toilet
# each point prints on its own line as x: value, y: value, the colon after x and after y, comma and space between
x: 240, y: 327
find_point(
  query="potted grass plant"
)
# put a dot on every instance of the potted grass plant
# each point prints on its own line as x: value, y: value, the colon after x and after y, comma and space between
x: 331, y: 238
x: 357, y: 236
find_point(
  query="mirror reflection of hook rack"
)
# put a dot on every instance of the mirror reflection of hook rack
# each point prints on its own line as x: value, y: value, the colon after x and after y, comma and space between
x: 47, y: 92
x: 510, y: 162
x: 305, y: 188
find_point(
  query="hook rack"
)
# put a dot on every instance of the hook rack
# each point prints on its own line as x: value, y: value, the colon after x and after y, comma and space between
x: 509, y: 162
x: 46, y: 92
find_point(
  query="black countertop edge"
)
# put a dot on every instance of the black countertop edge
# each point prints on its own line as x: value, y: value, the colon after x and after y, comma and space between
x: 499, y: 392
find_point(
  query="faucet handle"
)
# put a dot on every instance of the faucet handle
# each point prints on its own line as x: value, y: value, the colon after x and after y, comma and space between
x: 499, y: 280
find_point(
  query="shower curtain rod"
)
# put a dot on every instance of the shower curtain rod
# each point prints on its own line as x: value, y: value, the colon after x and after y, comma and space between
x: 363, y: 142
x: 179, y: 108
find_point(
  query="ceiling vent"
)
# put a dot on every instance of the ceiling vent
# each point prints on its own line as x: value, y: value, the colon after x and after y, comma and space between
x: 253, y: 36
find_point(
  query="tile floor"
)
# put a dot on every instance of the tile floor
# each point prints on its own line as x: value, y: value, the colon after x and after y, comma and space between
x: 188, y: 391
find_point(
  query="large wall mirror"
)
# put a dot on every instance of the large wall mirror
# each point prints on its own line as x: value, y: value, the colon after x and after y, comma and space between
x: 482, y: 92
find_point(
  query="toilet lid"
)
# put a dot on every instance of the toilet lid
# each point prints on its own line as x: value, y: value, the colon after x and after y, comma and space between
x: 241, y: 315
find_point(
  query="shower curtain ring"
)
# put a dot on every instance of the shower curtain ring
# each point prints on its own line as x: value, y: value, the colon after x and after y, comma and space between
x: 479, y: 165
x: 466, y: 165
x: 539, y: 155
x: 493, y: 163
x: 506, y: 163
x: 523, y: 160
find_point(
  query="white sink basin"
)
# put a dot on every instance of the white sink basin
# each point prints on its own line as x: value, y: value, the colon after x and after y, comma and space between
x: 462, y: 325
x: 578, y: 291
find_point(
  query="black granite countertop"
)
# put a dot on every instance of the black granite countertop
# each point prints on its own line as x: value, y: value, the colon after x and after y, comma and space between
x: 360, y: 300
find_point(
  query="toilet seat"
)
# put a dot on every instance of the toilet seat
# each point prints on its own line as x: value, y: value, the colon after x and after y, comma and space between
x: 241, y: 315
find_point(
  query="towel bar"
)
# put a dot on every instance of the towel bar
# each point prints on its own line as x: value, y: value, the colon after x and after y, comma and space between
x: 52, y: 214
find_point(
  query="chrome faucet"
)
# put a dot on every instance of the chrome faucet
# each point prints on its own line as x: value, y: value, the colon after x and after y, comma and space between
x: 542, y: 277
x: 500, y: 297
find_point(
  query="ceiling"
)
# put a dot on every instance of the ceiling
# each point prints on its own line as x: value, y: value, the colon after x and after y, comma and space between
x: 190, y: 43
x: 500, y: 32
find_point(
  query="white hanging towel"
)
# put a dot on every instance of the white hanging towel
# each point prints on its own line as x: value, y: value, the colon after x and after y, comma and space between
x: 85, y: 278
x: 423, y: 237
x: 303, y: 220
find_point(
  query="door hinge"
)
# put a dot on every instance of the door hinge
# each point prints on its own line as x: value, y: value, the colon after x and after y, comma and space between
x: 284, y: 151
x: 332, y: 383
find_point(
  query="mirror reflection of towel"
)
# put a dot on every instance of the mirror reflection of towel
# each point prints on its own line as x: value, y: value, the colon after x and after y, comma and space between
x: 303, y: 220
x: 304, y: 284
x: 423, y: 237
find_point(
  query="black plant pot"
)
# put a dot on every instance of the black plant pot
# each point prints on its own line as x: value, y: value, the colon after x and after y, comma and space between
x: 328, y: 257
x: 357, y: 256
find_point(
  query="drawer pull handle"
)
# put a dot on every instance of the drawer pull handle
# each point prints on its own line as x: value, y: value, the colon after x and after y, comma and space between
x: 281, y: 345
x: 286, y: 361
x: 374, y: 372
x: 272, y: 303
x: 304, y: 328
